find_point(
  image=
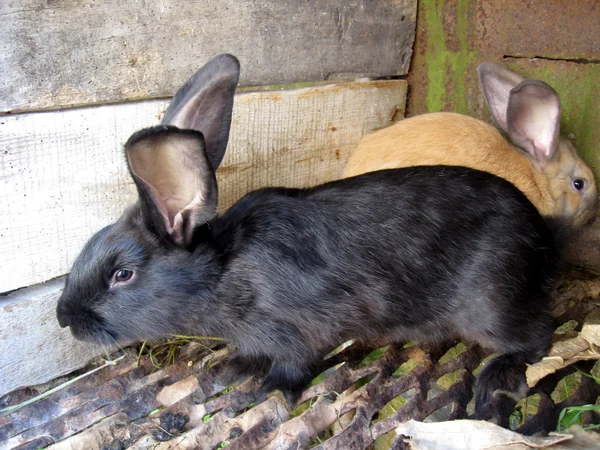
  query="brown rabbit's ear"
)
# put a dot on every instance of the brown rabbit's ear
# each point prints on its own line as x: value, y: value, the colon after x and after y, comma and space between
x: 527, y: 110
x: 533, y: 119
x: 496, y: 83
x: 205, y: 104
x: 175, y: 181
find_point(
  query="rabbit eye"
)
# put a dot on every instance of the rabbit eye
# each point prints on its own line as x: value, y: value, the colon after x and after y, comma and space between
x: 122, y: 275
x: 578, y: 184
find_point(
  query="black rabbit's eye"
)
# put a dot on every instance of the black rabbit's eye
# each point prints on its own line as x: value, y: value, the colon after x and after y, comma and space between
x: 578, y: 184
x: 123, y: 275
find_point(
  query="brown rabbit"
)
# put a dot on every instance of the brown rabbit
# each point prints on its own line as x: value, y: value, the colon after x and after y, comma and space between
x: 538, y: 161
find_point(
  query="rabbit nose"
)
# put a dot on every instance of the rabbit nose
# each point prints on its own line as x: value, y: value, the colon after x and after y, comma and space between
x: 63, y: 316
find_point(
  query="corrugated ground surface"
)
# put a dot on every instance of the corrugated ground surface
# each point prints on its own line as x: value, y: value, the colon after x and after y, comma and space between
x: 357, y: 404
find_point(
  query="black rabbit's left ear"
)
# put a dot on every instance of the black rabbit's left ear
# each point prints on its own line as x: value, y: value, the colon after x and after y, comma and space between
x: 175, y: 181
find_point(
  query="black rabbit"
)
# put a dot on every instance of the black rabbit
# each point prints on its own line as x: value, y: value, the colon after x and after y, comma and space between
x: 421, y: 253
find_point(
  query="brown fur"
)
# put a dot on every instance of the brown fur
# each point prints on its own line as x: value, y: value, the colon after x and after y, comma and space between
x: 459, y: 140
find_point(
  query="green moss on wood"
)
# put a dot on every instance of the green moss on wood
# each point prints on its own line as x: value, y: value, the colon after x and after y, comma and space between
x: 446, y: 69
x: 461, y: 60
x: 436, y: 54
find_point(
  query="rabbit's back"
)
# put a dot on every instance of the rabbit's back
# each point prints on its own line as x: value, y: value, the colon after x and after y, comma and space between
x: 416, y: 253
x: 448, y: 139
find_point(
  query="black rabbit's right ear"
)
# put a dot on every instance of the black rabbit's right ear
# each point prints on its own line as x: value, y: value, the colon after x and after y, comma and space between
x: 205, y: 104
x: 175, y: 181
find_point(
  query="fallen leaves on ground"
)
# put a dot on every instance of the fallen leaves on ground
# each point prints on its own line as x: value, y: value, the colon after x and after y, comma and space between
x: 586, y: 345
x: 479, y: 435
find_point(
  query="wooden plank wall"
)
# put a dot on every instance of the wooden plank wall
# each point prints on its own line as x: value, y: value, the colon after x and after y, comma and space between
x: 65, y: 175
x: 76, y: 52
x: 62, y: 173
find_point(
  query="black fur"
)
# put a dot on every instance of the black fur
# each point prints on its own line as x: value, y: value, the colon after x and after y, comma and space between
x: 421, y: 253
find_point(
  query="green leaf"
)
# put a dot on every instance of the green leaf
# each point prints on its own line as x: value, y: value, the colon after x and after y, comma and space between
x: 585, y: 374
x: 571, y: 415
x: 516, y: 418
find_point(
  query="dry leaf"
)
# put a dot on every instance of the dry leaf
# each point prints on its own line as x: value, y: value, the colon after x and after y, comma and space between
x: 578, y: 290
x: 582, y: 440
x: 572, y: 292
x: 548, y: 365
x: 471, y: 435
x: 564, y: 353
x: 591, y: 328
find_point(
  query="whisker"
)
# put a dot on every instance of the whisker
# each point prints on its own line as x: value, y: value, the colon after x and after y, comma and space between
x: 101, y: 341
x: 108, y: 358
x: 104, y: 340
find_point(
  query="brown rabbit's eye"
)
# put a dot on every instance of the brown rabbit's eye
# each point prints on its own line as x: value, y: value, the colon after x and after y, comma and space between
x: 123, y: 275
x: 578, y: 184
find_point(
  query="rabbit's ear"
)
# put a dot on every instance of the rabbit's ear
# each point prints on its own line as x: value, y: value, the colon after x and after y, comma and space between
x: 533, y: 119
x: 205, y: 104
x: 496, y: 84
x: 175, y: 181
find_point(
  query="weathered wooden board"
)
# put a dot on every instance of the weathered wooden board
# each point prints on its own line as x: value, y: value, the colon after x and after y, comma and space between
x: 63, y: 175
x: 76, y: 52
x: 33, y: 348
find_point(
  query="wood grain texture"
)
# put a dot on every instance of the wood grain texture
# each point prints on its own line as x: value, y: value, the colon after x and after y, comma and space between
x: 33, y: 348
x: 76, y: 52
x: 63, y: 174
